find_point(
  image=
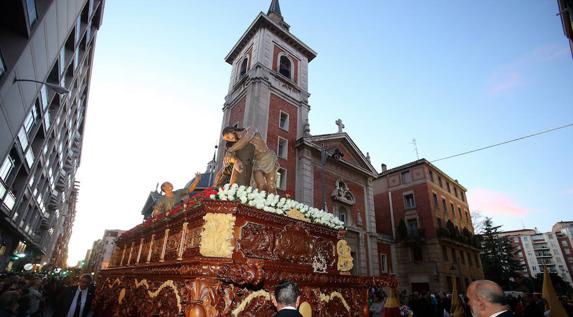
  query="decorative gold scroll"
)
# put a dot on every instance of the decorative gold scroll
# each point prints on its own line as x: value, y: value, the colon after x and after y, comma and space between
x: 168, y: 283
x: 327, y: 298
x: 249, y: 298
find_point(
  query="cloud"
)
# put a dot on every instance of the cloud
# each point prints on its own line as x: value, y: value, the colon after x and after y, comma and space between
x: 568, y: 191
x: 511, y: 75
x: 491, y: 202
x: 505, y: 81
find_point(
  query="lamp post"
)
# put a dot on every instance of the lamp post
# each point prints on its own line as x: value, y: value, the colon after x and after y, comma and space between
x: 57, y: 88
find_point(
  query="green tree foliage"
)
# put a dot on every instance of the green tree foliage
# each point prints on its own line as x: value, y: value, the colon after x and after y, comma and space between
x: 498, y: 256
x: 535, y: 284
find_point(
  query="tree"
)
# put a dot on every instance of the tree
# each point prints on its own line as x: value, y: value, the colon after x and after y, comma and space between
x: 535, y: 284
x: 498, y: 256
x: 477, y: 221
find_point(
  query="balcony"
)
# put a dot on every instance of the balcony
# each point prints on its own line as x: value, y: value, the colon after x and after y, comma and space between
x: 452, y: 233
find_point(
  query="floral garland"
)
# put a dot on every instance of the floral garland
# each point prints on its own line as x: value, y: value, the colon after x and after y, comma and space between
x: 275, y: 204
x: 251, y: 197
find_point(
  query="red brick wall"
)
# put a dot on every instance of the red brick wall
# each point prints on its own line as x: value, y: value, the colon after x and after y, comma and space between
x: 276, y: 52
x: 384, y: 248
x: 426, y: 220
x: 464, y: 221
x: 382, y: 211
x: 330, y: 185
x: 237, y: 113
x: 277, y: 104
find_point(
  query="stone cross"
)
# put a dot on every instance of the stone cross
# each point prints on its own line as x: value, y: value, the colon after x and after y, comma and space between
x: 340, y: 126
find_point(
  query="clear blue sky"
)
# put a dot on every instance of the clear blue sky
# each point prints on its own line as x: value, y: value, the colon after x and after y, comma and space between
x: 455, y: 75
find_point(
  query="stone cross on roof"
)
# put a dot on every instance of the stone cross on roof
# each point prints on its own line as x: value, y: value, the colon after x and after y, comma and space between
x: 340, y: 126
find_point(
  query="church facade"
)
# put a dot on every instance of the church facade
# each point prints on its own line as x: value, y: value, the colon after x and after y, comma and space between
x: 269, y: 91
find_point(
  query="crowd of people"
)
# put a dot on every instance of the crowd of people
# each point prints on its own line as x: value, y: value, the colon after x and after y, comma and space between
x: 429, y: 304
x: 40, y: 295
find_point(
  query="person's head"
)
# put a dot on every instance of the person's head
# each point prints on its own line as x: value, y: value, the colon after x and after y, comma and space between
x: 485, y: 298
x: 230, y: 134
x: 166, y: 187
x: 85, y: 281
x: 287, y: 293
x: 9, y: 300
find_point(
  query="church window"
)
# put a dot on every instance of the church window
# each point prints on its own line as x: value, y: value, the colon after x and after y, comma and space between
x: 285, y: 66
x: 243, y: 70
x: 343, y: 215
x: 281, y: 178
x: 282, y: 148
x: 384, y: 263
x: 283, y: 120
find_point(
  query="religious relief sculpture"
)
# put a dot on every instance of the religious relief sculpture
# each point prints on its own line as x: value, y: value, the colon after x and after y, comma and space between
x: 265, y: 162
x: 217, y: 235
x: 172, y: 198
x: 345, y: 261
x: 342, y: 194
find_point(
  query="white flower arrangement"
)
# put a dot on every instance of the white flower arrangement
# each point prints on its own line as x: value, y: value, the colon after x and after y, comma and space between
x: 275, y: 204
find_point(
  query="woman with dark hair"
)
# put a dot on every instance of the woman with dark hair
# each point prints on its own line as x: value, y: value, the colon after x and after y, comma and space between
x: 265, y: 162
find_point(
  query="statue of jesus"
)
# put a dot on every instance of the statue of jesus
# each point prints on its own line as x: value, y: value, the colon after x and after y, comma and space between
x: 265, y: 162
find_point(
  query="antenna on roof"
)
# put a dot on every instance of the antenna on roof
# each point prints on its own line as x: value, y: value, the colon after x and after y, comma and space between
x: 156, y: 187
x: 416, y: 148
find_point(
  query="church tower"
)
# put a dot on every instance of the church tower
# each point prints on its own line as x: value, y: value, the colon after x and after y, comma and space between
x: 268, y: 89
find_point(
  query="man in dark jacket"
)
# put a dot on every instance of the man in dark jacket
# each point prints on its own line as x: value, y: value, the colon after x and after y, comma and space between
x: 286, y: 299
x: 76, y: 301
x: 486, y: 299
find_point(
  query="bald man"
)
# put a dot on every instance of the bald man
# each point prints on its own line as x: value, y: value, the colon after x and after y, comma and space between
x: 486, y: 299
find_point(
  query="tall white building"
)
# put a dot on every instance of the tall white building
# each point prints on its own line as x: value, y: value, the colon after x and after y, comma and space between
x: 539, y: 250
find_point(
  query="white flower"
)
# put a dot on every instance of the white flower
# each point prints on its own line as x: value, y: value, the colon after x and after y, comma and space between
x: 212, y: 196
x: 226, y: 186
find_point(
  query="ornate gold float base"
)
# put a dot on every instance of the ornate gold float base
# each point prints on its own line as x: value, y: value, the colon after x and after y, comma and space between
x: 184, y: 266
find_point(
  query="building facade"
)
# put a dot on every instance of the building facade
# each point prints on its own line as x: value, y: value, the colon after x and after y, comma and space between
x: 268, y: 90
x: 537, y: 251
x: 566, y: 14
x: 100, y: 254
x: 426, y: 213
x: 41, y: 125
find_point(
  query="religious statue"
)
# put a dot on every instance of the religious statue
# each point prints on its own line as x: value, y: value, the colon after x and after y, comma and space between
x: 265, y: 163
x: 345, y: 261
x: 237, y: 167
x: 172, y: 198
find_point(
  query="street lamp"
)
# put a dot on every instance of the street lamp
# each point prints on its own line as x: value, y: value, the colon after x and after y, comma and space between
x: 57, y: 88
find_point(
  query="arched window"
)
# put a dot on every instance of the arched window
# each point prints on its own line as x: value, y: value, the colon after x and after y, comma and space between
x: 243, y: 70
x: 285, y: 66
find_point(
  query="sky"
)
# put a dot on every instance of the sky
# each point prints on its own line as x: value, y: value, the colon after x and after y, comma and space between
x: 453, y: 75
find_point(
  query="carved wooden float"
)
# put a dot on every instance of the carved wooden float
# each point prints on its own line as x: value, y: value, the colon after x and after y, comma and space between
x: 224, y: 259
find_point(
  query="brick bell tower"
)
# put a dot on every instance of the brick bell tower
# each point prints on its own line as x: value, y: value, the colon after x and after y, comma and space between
x: 268, y: 89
